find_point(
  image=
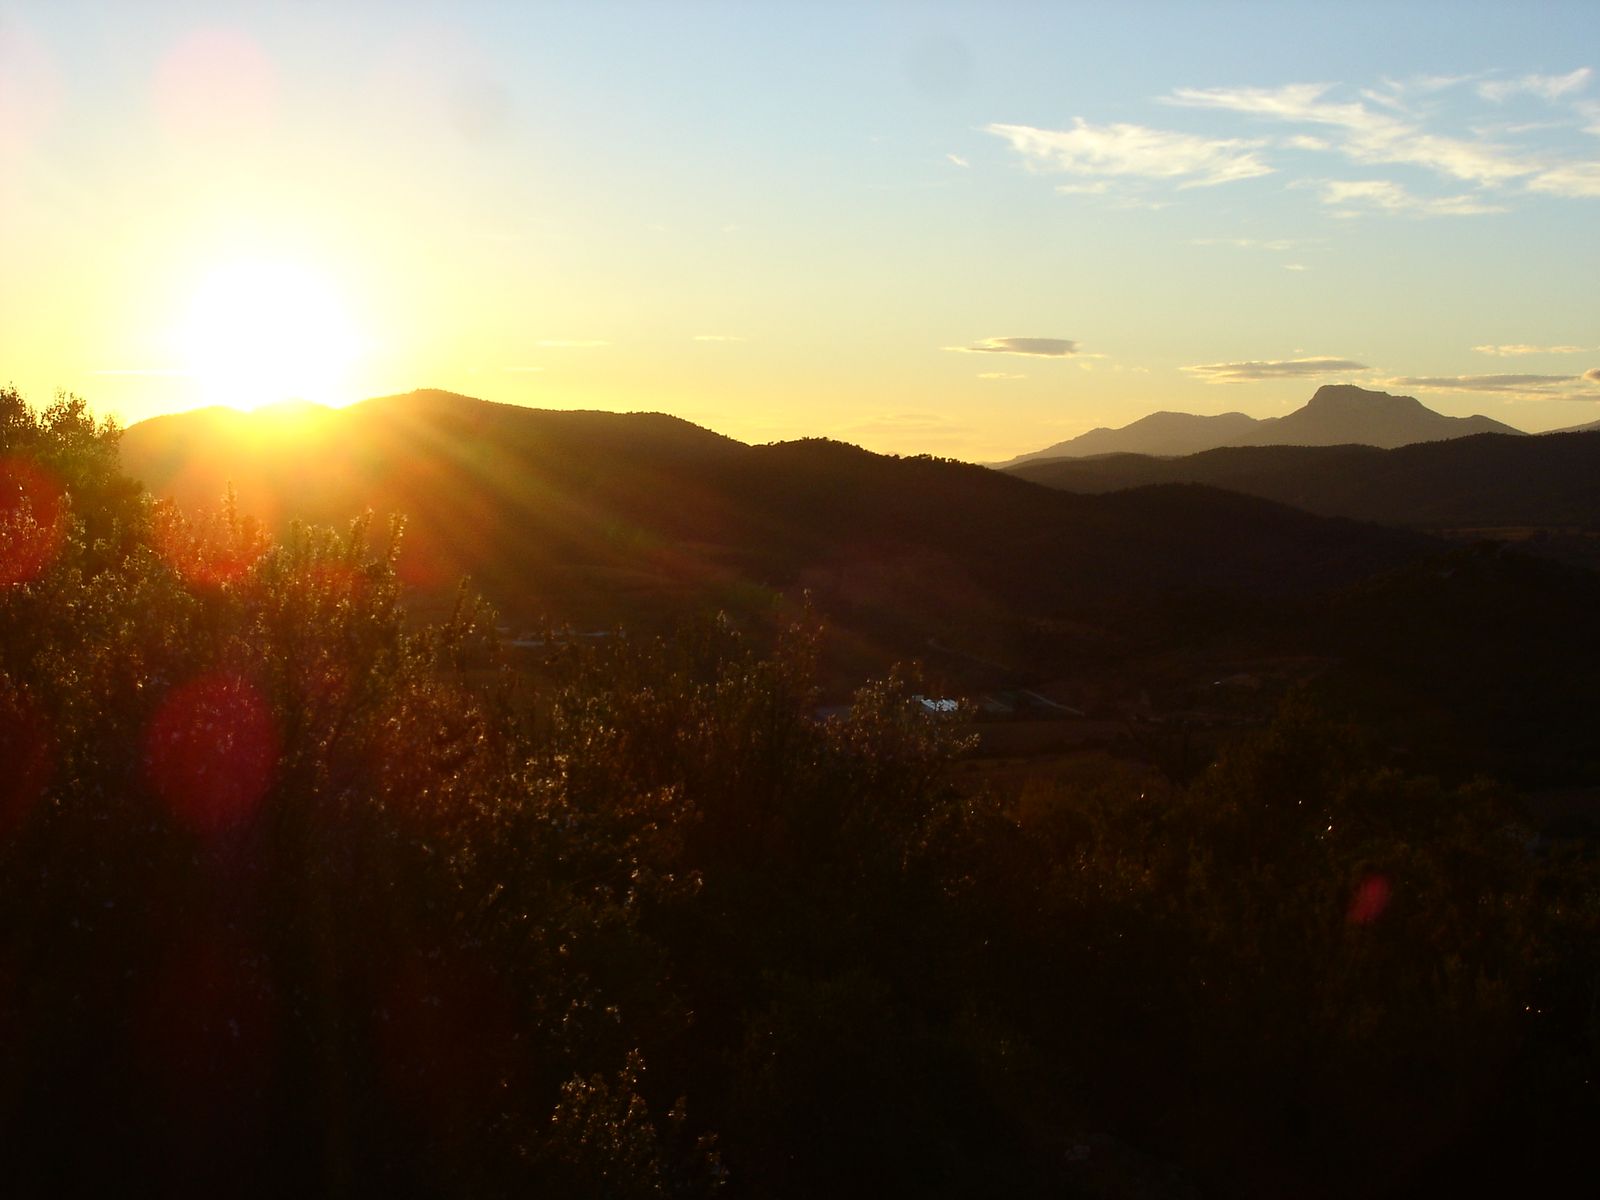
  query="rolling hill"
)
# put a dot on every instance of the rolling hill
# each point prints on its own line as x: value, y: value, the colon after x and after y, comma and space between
x: 602, y: 517
x: 1337, y: 415
x: 597, y: 519
x: 1485, y: 481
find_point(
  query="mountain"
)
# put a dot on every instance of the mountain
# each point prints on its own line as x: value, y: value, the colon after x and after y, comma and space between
x: 1337, y: 415
x: 1586, y: 427
x: 1484, y: 481
x: 602, y: 517
x: 1159, y: 433
x: 1343, y: 414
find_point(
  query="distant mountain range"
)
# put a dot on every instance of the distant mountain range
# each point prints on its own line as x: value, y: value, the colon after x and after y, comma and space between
x: 1543, y: 492
x: 602, y: 517
x: 1586, y: 427
x: 1337, y: 415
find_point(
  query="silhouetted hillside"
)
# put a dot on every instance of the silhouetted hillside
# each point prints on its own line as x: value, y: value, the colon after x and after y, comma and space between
x: 597, y: 517
x: 1489, y: 480
x: 1159, y: 433
x: 1337, y: 415
x: 1342, y: 414
x: 1586, y: 427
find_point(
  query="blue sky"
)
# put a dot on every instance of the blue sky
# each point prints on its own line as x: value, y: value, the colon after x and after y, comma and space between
x: 949, y: 228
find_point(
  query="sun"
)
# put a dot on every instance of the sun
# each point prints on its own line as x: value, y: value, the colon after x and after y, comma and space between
x: 259, y: 332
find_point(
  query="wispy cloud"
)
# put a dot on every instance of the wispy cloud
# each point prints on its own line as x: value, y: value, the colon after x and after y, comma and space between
x: 1037, y: 346
x: 1244, y: 243
x: 1518, y: 348
x: 1287, y: 368
x: 1576, y: 179
x: 1366, y: 136
x: 1135, y: 151
x: 1402, y: 94
x: 1396, y: 124
x: 1546, y: 87
x: 1001, y: 375
x: 958, y: 160
x: 1548, y: 387
x: 1352, y: 197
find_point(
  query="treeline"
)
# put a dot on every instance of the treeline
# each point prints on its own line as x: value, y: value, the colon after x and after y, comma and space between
x: 296, y: 898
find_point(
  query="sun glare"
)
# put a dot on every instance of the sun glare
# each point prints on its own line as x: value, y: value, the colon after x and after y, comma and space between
x: 261, y: 332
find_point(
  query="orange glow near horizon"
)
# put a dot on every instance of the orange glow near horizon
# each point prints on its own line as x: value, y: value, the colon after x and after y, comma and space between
x: 259, y: 332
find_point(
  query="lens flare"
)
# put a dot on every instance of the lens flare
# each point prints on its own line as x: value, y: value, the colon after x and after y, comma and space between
x: 1371, y: 898
x: 211, y: 751
x: 33, y: 520
x: 210, y: 550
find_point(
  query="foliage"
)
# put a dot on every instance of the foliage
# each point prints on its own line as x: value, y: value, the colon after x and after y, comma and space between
x: 297, y: 897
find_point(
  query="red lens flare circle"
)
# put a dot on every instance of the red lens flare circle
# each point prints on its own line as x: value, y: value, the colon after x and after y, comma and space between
x: 211, y: 752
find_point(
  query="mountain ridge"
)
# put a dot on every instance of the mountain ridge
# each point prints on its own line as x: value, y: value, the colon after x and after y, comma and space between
x: 1336, y: 414
x: 1480, y: 481
x: 606, y: 518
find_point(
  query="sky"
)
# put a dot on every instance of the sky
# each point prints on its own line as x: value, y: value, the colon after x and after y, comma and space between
x: 954, y: 229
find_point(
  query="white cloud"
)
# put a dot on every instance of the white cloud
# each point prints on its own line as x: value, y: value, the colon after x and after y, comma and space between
x: 1038, y: 347
x: 1394, y: 124
x: 1136, y: 151
x: 1395, y: 93
x: 1291, y: 102
x: 1295, y: 267
x: 1353, y: 196
x: 1367, y: 136
x: 1001, y: 375
x: 1290, y: 368
x: 1578, y: 179
x: 1518, y: 348
x: 1434, y: 83
x: 958, y: 160
x: 1546, y: 87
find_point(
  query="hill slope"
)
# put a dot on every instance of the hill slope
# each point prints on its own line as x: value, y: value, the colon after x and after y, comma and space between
x: 598, y: 517
x: 1337, y: 415
x: 1481, y: 481
x: 1159, y: 433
